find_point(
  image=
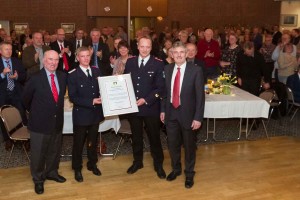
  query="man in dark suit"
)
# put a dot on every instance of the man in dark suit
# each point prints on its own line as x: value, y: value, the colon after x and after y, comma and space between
x: 100, y: 57
x: 87, y: 112
x: 147, y: 77
x: 32, y: 57
x: 64, y: 50
x: 191, y: 57
x: 182, y: 111
x: 276, y: 35
x: 44, y: 99
x: 12, y: 74
x: 293, y: 82
x: 76, y: 42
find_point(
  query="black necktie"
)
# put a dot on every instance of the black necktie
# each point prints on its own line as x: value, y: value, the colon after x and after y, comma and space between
x: 78, y: 44
x: 88, y: 74
x: 142, y: 64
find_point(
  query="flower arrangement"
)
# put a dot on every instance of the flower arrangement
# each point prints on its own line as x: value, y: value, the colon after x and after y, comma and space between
x: 226, y: 79
x: 222, y: 84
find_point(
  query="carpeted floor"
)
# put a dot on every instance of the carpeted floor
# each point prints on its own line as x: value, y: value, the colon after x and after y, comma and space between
x: 226, y: 129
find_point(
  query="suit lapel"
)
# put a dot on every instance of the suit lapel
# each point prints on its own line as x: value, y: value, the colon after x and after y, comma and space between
x: 169, y: 76
x: 46, y: 85
x: 186, y: 75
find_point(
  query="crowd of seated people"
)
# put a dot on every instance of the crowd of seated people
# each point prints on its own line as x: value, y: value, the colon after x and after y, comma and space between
x: 215, y: 50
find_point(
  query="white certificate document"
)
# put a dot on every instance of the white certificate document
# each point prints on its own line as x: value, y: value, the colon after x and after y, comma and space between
x: 117, y: 95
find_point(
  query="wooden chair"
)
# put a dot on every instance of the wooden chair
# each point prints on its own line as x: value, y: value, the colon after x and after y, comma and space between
x: 291, y: 102
x: 15, y: 129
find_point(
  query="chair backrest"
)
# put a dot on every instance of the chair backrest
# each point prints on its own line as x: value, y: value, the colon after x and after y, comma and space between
x: 290, y: 95
x: 268, y: 95
x: 11, y: 117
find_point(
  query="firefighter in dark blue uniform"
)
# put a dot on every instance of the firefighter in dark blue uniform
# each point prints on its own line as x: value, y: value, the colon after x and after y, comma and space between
x: 87, y: 112
x: 148, y: 81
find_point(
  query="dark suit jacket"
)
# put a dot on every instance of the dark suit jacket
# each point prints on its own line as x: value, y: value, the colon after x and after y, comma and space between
x: 16, y: 66
x: 148, y: 83
x: 73, y: 42
x: 192, y: 96
x: 54, y: 46
x: 276, y: 37
x: 45, y: 115
x: 293, y: 82
x: 82, y: 91
x: 28, y: 59
x: 103, y: 63
x: 201, y: 64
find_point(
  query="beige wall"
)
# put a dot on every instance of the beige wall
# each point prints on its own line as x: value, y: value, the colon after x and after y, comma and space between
x: 290, y: 8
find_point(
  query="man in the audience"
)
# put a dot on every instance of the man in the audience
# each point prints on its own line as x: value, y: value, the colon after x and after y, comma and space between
x: 182, y: 111
x: 44, y: 99
x: 33, y: 56
x: 64, y: 50
x: 209, y: 52
x: 191, y: 57
x: 100, y: 56
x: 25, y: 35
x: 250, y: 69
x: 2, y: 34
x: 87, y: 112
x: 276, y: 35
x: 267, y: 50
x: 76, y: 42
x: 293, y: 82
x: 296, y: 36
x: 12, y: 74
x: 257, y: 38
x: 147, y: 77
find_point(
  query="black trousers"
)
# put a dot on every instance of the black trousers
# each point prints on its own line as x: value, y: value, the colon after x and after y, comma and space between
x: 81, y: 134
x: 153, y: 132
x: 178, y: 135
x: 251, y: 85
x: 45, y: 155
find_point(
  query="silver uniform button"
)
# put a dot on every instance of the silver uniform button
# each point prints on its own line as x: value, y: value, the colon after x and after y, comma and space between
x: 54, y: 115
x: 137, y: 91
x: 139, y: 77
x: 138, y: 84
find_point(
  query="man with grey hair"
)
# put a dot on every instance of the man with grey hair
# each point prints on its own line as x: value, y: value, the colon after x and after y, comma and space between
x: 44, y: 99
x: 209, y: 52
x: 32, y: 57
x: 182, y: 111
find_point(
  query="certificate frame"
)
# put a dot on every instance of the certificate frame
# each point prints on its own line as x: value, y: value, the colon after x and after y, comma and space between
x: 117, y: 95
x: 289, y: 20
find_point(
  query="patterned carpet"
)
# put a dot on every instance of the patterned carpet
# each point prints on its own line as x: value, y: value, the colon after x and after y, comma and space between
x: 226, y: 129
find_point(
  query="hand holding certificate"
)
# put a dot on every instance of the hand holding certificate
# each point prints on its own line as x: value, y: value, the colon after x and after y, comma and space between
x: 117, y: 95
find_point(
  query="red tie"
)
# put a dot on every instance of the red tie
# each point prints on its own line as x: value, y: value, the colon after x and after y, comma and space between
x: 176, y: 87
x: 65, y: 60
x: 54, y: 89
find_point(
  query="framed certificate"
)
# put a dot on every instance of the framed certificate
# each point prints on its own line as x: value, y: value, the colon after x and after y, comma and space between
x: 117, y: 95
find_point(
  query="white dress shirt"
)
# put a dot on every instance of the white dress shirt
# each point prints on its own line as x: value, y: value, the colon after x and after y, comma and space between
x: 182, y: 70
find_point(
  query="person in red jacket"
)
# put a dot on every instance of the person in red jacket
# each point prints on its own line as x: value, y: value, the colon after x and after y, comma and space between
x: 209, y: 52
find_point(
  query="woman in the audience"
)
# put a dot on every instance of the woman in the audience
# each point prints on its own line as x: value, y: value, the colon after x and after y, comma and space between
x: 229, y: 56
x: 118, y: 64
x: 169, y: 58
x: 163, y: 54
x: 287, y: 63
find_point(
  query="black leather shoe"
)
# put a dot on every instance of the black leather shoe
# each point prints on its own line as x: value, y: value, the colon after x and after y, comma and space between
x: 59, y: 179
x: 95, y: 171
x: 173, y: 175
x: 161, y: 173
x: 78, y: 176
x: 39, y: 188
x: 189, y: 182
x: 133, y: 168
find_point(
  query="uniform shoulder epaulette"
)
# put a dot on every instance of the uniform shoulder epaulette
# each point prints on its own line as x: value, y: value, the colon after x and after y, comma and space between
x: 157, y: 59
x: 73, y: 70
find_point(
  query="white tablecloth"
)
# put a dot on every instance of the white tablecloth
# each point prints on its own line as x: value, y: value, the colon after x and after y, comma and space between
x: 112, y: 122
x: 240, y: 104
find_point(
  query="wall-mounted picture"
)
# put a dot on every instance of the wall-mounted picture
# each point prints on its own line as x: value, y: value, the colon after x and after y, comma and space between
x: 68, y: 27
x: 20, y: 27
x: 289, y: 20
